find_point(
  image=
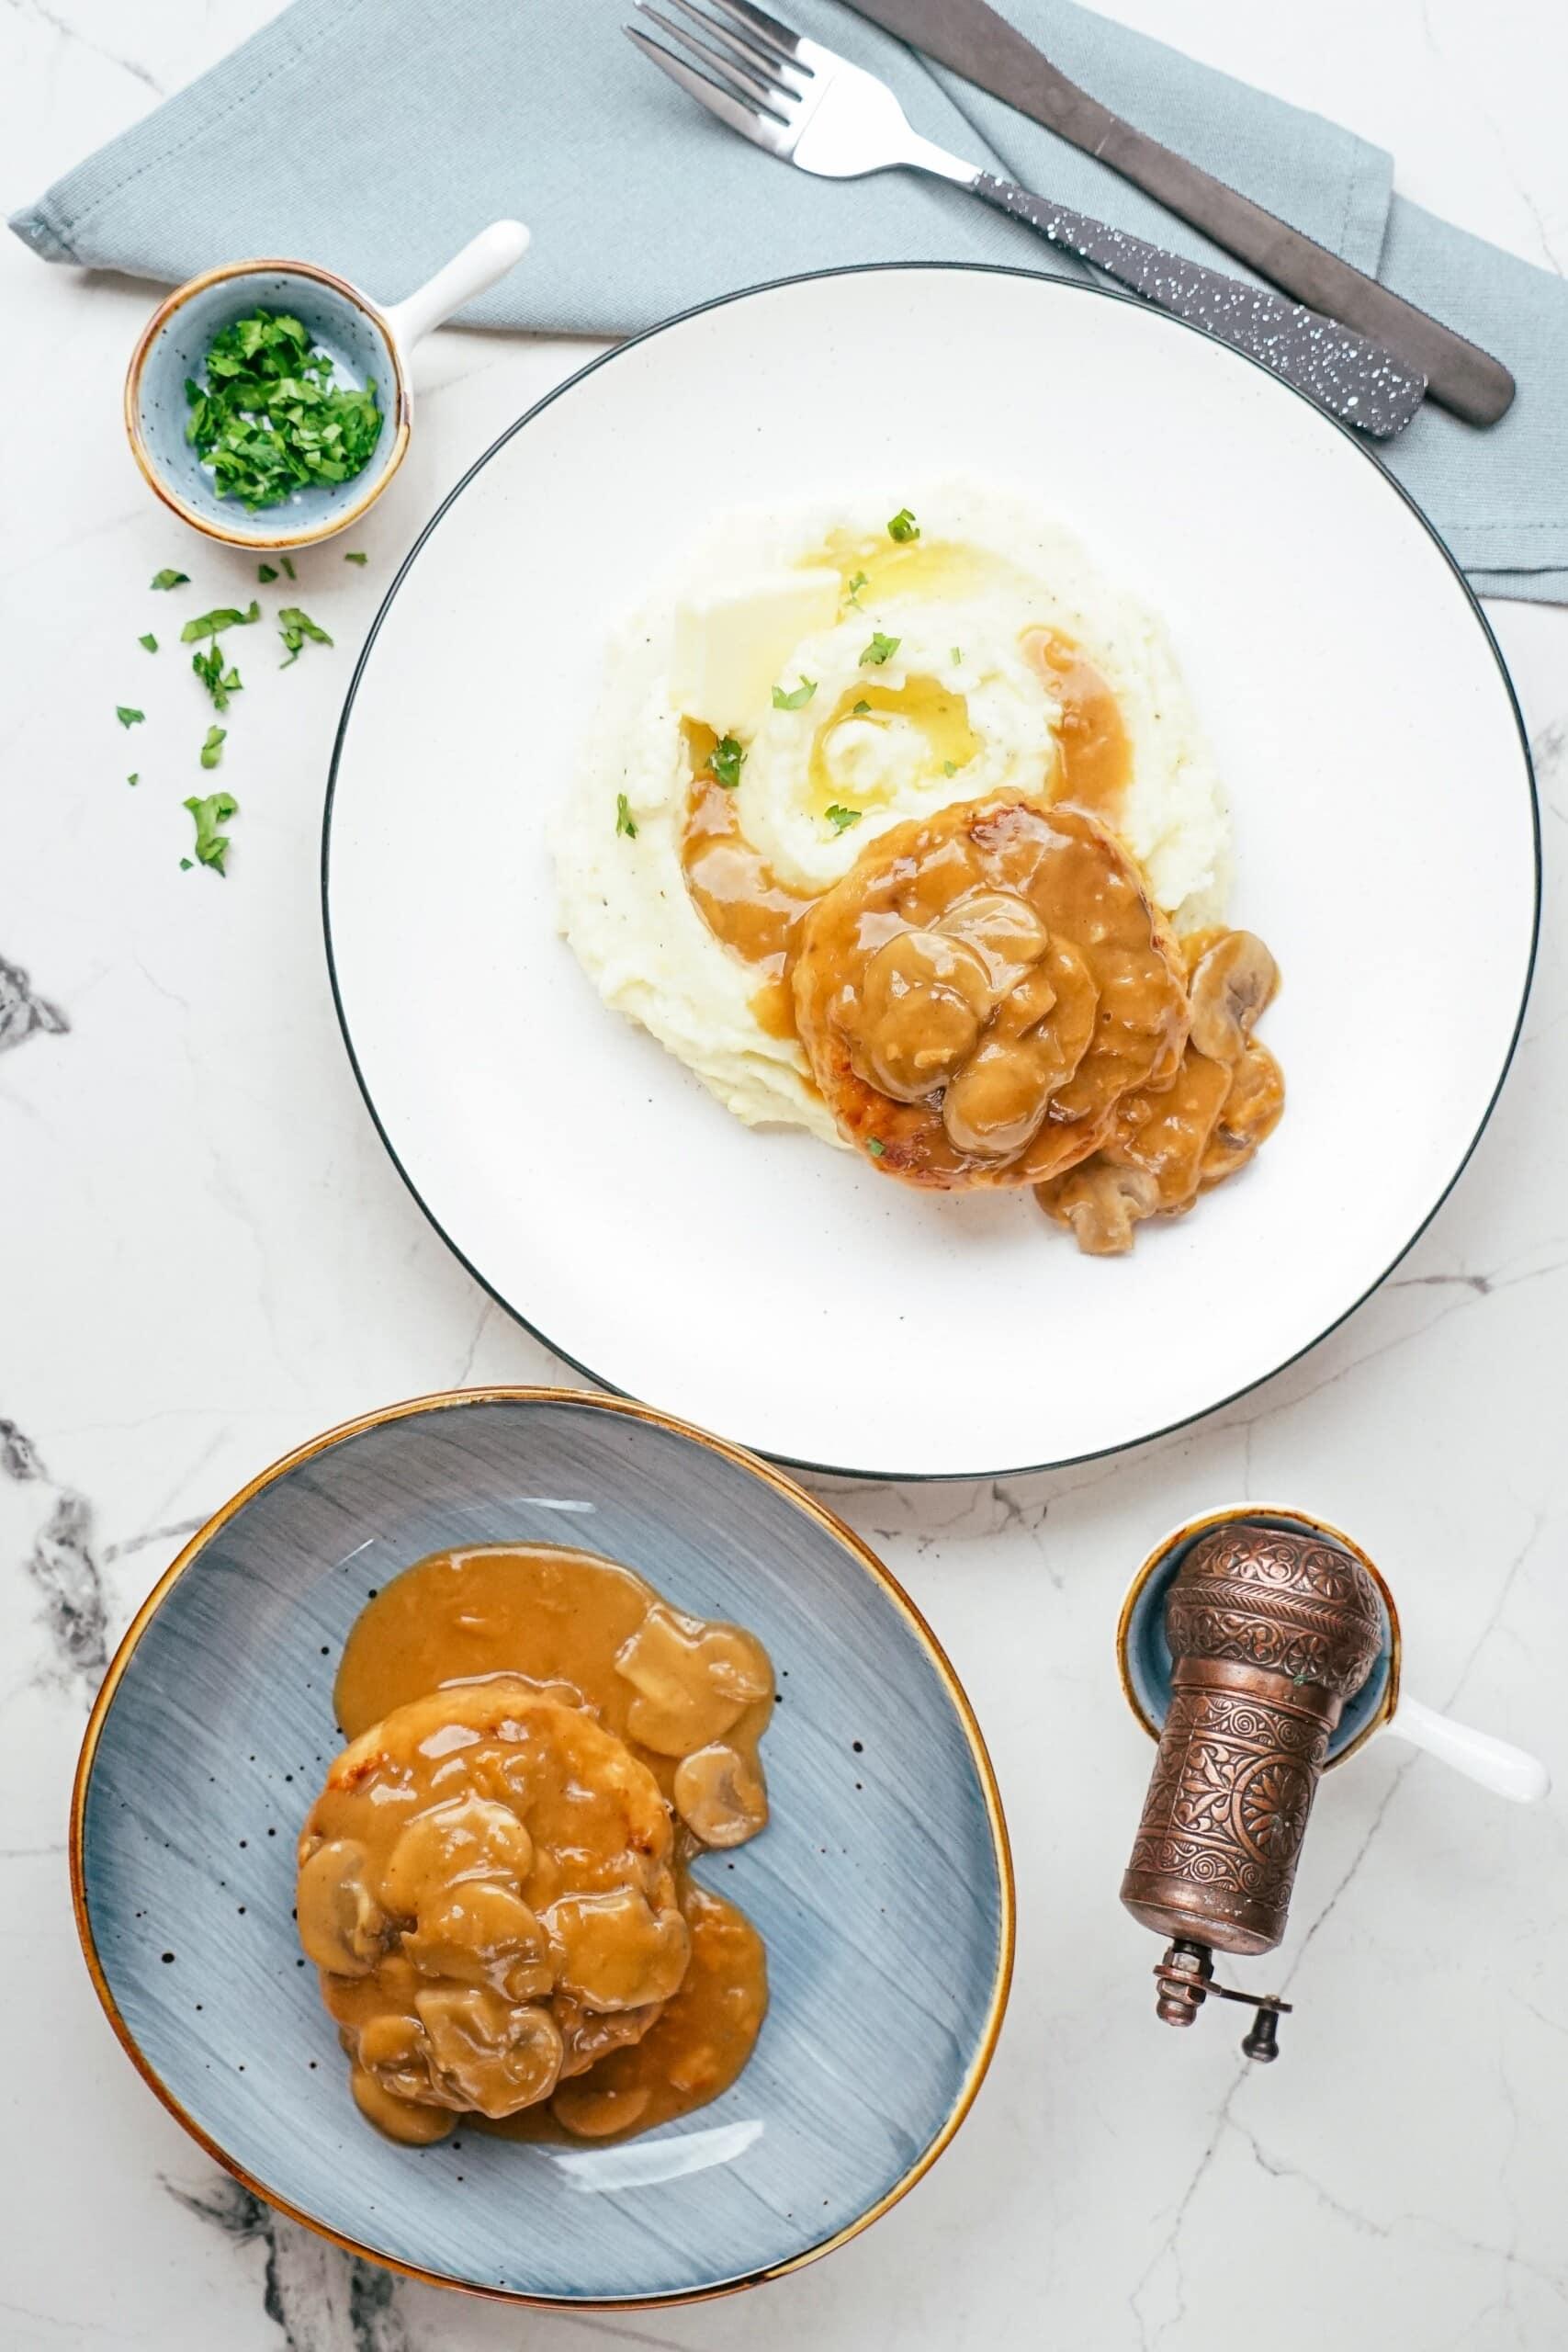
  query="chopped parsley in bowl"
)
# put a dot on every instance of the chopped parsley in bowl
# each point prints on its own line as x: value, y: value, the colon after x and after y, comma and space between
x: 270, y: 419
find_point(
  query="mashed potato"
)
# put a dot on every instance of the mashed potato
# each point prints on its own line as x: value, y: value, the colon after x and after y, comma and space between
x: 866, y: 679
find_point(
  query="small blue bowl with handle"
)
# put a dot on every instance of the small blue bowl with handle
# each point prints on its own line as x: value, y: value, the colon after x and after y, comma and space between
x: 882, y: 1884
x: 368, y: 343
x: 1144, y: 1662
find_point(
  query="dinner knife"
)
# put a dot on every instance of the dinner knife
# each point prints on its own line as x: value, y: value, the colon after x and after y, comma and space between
x: 969, y: 37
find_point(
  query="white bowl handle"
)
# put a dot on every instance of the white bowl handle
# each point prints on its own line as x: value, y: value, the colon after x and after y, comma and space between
x: 482, y: 260
x: 1506, y: 1770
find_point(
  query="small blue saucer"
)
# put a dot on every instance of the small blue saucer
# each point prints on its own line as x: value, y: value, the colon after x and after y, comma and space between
x: 1143, y: 1654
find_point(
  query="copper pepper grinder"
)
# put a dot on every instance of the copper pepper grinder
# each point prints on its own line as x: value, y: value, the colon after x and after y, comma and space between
x: 1271, y: 1632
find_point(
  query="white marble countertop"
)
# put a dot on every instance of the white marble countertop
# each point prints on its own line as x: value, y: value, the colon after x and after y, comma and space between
x: 205, y: 1257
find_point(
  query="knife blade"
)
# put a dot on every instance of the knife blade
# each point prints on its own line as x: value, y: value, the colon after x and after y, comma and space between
x: 969, y: 37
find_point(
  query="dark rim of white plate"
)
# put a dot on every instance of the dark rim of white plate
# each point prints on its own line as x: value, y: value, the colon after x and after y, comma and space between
x: 1064, y: 286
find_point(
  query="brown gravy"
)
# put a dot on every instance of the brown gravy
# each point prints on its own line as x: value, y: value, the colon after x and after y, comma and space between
x: 1096, y: 756
x: 689, y: 1700
x: 749, y: 909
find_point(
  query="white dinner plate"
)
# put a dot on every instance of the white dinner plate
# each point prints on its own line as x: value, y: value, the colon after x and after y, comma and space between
x: 786, y: 1296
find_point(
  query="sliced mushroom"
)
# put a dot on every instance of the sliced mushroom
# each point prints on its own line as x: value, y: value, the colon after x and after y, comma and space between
x: 1167, y: 1134
x: 342, y: 1926
x: 922, y: 1002
x: 1251, y: 1111
x: 416, y: 2122
x: 468, y: 1837
x: 720, y: 1796
x: 393, y: 2047
x: 593, y: 2111
x: 487, y: 2053
x: 1102, y: 1202
x: 481, y: 1933
x: 616, y: 1950
x: 693, y: 1681
x: 1003, y: 929
x: 1232, y: 981
x: 592, y: 2034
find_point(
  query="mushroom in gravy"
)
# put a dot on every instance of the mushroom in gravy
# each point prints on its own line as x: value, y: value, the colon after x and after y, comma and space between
x: 494, y: 1883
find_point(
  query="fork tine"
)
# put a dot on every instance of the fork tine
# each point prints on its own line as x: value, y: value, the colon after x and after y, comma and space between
x: 758, y: 22
x: 762, y: 129
x: 748, y: 68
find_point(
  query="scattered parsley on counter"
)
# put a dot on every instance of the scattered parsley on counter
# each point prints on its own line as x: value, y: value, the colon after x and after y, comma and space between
x: 211, y: 846
x: 726, y: 762
x: 127, y: 716
x: 295, y: 627
x: 149, y: 641
x: 880, y: 648
x: 797, y: 698
x: 874, y: 1148
x: 134, y: 779
x: 288, y: 565
x: 354, y: 556
x: 219, y: 683
x: 903, y: 526
x: 212, y: 750
x: 841, y: 818
x: 265, y: 572
x: 856, y: 584
x: 625, y: 821
x: 270, y: 419
x: 167, y: 579
x: 221, y: 616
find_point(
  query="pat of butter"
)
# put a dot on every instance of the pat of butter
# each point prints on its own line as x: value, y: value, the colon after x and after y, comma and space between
x: 732, y: 643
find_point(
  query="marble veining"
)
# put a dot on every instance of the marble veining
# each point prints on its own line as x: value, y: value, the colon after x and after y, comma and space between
x: 205, y: 1258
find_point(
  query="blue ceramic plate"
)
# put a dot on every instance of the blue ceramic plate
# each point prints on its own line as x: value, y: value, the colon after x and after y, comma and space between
x: 882, y: 1884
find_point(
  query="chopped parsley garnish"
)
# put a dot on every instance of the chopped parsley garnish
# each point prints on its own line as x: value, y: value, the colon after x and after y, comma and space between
x: 856, y: 584
x: 212, y: 750
x: 957, y: 652
x: 167, y: 579
x: 287, y: 561
x: 860, y: 709
x: 875, y: 1147
x: 127, y: 716
x: 265, y: 572
x: 726, y: 762
x: 211, y: 846
x: 295, y: 626
x: 221, y: 616
x: 841, y: 818
x: 880, y: 648
x: 950, y: 767
x: 625, y: 821
x: 134, y: 779
x: 149, y: 641
x: 354, y: 556
x: 219, y: 683
x: 270, y: 420
x: 797, y: 697
x: 903, y: 526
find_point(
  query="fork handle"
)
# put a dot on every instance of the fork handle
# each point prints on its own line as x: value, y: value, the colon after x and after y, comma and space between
x: 1350, y: 375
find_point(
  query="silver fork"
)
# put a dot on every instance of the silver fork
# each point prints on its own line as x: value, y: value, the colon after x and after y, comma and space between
x: 809, y: 105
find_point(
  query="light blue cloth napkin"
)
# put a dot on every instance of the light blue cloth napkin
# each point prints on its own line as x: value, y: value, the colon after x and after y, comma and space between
x: 376, y: 135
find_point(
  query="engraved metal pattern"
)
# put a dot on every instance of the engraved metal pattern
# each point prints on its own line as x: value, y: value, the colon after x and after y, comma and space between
x: 1271, y: 1632
x: 1295, y: 1604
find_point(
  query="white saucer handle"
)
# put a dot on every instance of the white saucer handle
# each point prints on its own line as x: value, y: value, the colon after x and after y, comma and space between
x: 483, y: 259
x: 1506, y: 1770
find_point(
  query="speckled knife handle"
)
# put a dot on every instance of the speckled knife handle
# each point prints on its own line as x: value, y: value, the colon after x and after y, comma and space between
x: 1347, y: 374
